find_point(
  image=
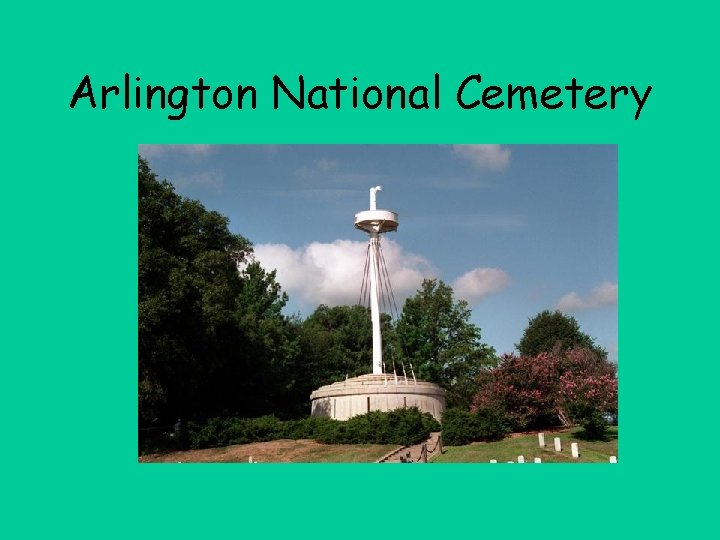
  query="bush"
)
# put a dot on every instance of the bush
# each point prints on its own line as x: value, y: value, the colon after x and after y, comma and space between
x: 595, y: 427
x: 209, y: 435
x: 401, y: 426
x: 226, y: 431
x: 306, y: 428
x: 462, y: 427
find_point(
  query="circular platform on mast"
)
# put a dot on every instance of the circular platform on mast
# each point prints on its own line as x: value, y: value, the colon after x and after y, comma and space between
x: 376, y: 221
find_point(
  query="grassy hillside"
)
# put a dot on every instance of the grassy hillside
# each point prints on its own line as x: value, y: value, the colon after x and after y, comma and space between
x: 280, y: 451
x: 527, y: 445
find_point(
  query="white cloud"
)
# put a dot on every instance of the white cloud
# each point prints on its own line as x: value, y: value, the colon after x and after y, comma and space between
x: 484, y: 156
x: 195, y: 150
x: 605, y: 294
x: 476, y: 284
x: 331, y: 273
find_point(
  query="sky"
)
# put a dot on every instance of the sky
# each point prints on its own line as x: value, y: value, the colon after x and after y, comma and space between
x: 513, y: 229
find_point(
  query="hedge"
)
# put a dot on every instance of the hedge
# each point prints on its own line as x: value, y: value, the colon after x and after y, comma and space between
x: 401, y: 427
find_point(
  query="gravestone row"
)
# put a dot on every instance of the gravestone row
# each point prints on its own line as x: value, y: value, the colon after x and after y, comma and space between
x: 574, y: 450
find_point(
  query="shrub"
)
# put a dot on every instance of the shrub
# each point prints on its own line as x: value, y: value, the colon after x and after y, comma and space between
x: 462, y: 427
x: 226, y: 431
x: 306, y: 428
x: 491, y: 424
x: 595, y: 427
x: 401, y: 426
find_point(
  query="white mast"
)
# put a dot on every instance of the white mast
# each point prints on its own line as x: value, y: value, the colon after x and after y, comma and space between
x: 375, y: 222
x: 375, y: 303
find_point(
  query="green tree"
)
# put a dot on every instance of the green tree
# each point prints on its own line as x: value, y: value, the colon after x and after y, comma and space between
x: 260, y: 373
x: 212, y: 339
x: 336, y: 342
x: 551, y: 330
x: 187, y: 281
x: 434, y: 332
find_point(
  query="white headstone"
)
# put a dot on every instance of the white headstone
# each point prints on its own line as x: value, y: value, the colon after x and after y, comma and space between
x: 538, y: 460
x: 521, y: 459
x: 541, y: 440
x: 493, y: 461
x: 613, y: 459
x: 250, y: 459
x: 511, y: 462
x: 574, y: 450
x: 558, y: 446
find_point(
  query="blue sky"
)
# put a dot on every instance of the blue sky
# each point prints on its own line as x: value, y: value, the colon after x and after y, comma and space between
x: 514, y: 229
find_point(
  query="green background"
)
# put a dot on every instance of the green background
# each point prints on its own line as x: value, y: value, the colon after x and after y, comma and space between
x: 69, y: 289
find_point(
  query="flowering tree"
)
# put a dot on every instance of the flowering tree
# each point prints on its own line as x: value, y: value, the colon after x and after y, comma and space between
x: 587, y: 397
x: 524, y: 388
x: 550, y: 388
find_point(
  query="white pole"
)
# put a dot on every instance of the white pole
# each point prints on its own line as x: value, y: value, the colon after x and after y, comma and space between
x: 373, y: 191
x: 374, y: 307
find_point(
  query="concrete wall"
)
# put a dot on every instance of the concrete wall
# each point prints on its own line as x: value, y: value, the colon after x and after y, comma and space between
x: 366, y: 393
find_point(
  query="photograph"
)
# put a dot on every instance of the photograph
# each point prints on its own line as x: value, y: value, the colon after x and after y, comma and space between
x: 378, y: 303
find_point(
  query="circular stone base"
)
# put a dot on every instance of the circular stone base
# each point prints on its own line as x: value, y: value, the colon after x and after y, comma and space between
x: 360, y: 395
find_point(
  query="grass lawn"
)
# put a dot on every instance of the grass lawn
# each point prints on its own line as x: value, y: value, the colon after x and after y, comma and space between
x: 280, y: 451
x: 527, y: 445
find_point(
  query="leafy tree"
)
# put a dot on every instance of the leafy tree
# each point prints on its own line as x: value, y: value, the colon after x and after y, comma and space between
x: 260, y: 374
x: 186, y: 285
x: 550, y: 330
x: 434, y: 332
x: 212, y: 339
x: 335, y: 343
